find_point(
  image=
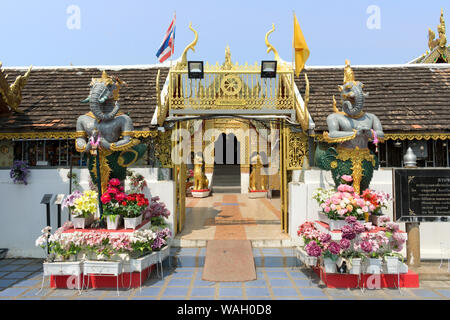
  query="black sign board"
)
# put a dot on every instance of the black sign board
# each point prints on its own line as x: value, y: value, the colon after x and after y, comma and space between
x: 46, y: 198
x: 422, y: 194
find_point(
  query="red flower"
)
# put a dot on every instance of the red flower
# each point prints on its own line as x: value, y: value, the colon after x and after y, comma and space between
x: 112, y: 190
x: 121, y: 196
x: 124, y: 203
x: 114, y: 182
x: 105, y: 198
x: 131, y: 198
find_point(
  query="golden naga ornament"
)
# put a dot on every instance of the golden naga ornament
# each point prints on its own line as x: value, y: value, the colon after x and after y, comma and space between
x: 11, y: 95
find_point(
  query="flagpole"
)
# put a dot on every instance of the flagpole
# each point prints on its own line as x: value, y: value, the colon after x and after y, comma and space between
x: 172, y: 51
x: 293, y: 49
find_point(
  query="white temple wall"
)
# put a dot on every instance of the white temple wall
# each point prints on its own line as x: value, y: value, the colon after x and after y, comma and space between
x: 22, y: 217
x: 302, y: 207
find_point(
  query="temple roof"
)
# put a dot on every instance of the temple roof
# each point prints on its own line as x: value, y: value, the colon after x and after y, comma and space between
x: 406, y: 98
x: 51, y: 98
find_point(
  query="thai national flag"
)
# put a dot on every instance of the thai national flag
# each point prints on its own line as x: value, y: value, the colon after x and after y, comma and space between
x: 167, y: 46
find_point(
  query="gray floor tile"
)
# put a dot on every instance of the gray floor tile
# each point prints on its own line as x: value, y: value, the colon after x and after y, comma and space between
x: 284, y: 292
x: 176, y: 291
x: 184, y: 282
x: 425, y: 293
x: 10, y: 267
x: 231, y: 284
x: 27, y: 283
x: 277, y: 274
x: 12, y: 292
x: 256, y: 283
x: 311, y: 292
x: 63, y: 293
x: 7, y: 283
x: 444, y: 292
x: 150, y: 291
x: 280, y: 283
x: 203, y: 292
x: 230, y: 292
x: 17, y: 275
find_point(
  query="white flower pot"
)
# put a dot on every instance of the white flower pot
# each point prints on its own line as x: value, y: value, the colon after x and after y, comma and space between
x: 132, y: 223
x: 113, y: 221
x: 330, y: 265
x: 355, y: 266
x: 82, y: 223
x: 392, y: 265
x: 164, y: 252
x: 142, y: 263
x: 305, y: 258
x: 338, y: 224
x: 103, y: 267
x: 376, y: 219
x: 374, y: 265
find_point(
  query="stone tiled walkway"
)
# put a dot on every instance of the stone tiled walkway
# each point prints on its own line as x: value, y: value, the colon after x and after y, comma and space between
x: 278, y: 278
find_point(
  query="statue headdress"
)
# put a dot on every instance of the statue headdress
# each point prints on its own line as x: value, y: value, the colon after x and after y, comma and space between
x: 110, y: 80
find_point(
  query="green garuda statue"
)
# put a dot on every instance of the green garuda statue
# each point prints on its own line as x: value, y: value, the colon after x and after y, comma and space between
x: 107, y: 131
x: 351, y: 129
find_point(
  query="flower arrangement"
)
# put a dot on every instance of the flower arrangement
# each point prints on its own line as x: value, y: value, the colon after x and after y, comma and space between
x: 113, y: 199
x: 345, y: 202
x: 84, y: 204
x: 376, y: 200
x: 19, y: 172
x: 68, y: 201
x: 137, y: 182
x: 134, y: 205
x: 157, y: 211
x: 137, y: 243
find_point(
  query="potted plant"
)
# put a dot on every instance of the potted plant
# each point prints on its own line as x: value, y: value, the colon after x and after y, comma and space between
x: 19, y: 172
x: 157, y: 212
x: 134, y: 206
x: 351, y: 252
x: 392, y: 256
x: 112, y: 201
x: 82, y: 206
x: 343, y: 203
x: 377, y: 201
x: 373, y: 244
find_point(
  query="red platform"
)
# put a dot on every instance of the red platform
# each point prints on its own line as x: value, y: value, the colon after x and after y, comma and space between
x: 371, y: 281
x: 125, y: 280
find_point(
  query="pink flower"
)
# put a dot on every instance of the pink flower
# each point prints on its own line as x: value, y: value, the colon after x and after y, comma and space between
x: 334, y: 248
x: 312, y: 249
x: 366, y: 246
x: 347, y: 178
x: 114, y: 182
x: 121, y: 196
x: 344, y: 243
x: 325, y: 237
x: 327, y: 209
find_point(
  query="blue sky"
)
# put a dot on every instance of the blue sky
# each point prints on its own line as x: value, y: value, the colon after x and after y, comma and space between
x: 130, y: 32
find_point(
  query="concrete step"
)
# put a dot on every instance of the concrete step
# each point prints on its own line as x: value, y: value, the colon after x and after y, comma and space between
x: 226, y: 189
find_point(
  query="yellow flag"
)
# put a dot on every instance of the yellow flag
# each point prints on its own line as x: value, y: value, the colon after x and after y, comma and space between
x: 300, y: 47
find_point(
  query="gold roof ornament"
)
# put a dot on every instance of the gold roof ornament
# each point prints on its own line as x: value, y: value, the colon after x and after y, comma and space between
x: 11, y: 95
x: 349, y: 75
x: 270, y: 47
x: 183, y: 63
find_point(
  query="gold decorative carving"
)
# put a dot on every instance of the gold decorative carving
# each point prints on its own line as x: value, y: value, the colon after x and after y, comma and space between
x: 110, y: 80
x: 271, y: 47
x: 400, y: 136
x: 132, y: 143
x: 11, y: 96
x: 340, y: 139
x: 105, y: 170
x: 163, y: 148
x: 357, y: 156
x: 440, y: 42
x: 258, y: 181
x: 334, y: 164
x: 297, y: 149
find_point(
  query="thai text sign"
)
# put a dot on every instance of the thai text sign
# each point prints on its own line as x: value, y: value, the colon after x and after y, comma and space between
x: 422, y: 193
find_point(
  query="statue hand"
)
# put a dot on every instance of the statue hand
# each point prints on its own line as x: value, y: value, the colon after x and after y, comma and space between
x: 104, y: 143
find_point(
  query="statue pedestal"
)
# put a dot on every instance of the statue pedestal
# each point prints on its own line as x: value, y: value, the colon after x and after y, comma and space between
x: 257, y: 194
x: 200, y: 193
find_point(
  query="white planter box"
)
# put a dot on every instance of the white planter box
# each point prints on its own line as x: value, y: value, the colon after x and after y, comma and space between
x: 103, y: 267
x: 142, y: 263
x: 164, y: 252
x: 112, y: 222
x: 374, y: 265
x: 63, y: 268
x: 132, y: 223
x: 305, y: 258
x: 356, y: 266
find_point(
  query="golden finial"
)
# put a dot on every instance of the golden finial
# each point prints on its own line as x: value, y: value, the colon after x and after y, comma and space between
x: 271, y: 47
x: 335, y: 109
x: 349, y: 76
x: 189, y: 46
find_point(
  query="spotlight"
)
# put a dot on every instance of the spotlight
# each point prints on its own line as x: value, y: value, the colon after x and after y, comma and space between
x: 268, y: 69
x: 195, y: 69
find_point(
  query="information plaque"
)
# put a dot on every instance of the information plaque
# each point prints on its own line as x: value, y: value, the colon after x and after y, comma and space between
x: 422, y: 194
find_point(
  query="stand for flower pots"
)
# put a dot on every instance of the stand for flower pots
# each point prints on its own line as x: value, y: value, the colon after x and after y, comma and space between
x: 255, y: 194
